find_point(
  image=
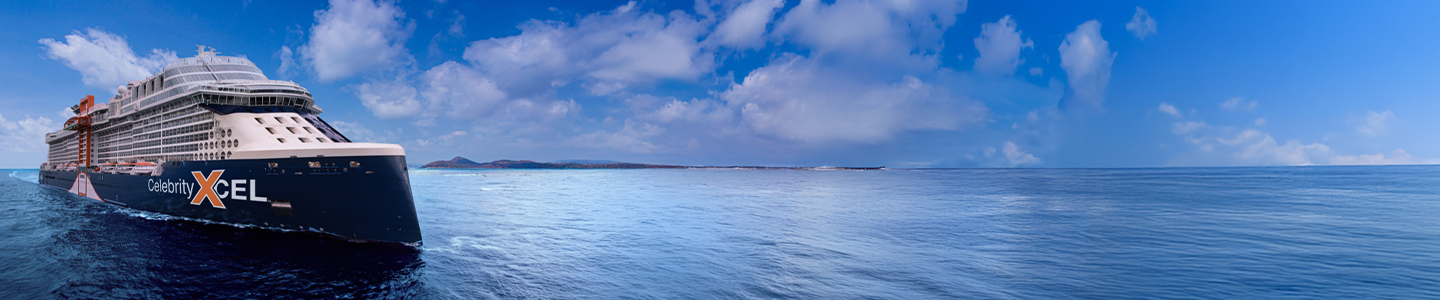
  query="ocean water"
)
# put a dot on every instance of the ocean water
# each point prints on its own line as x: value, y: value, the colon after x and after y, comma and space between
x: 1207, y: 233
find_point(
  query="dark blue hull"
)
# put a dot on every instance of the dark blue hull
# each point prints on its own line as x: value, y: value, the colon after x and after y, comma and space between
x: 359, y: 198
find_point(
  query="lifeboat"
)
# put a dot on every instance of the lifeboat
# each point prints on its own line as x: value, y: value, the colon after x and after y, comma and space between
x: 143, y: 168
x: 124, y: 167
x: 70, y: 167
x: 107, y: 168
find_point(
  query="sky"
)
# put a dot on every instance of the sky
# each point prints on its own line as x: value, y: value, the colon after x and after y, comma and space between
x: 896, y: 83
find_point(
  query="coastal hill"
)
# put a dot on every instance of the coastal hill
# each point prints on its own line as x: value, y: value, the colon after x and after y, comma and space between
x: 463, y: 163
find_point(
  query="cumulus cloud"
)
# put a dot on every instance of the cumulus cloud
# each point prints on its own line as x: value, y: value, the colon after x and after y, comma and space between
x: 1086, y: 58
x: 610, y: 51
x: 871, y: 32
x: 673, y: 110
x: 1375, y: 123
x: 1253, y: 147
x: 1258, y: 148
x: 1239, y: 104
x: 745, y: 27
x: 1015, y: 157
x: 1169, y: 109
x: 25, y: 135
x: 105, y: 60
x: 999, y: 45
x: 355, y: 131
x: 631, y: 138
x: 1142, y: 25
x: 799, y: 99
x: 460, y: 91
x: 357, y: 37
x: 388, y: 99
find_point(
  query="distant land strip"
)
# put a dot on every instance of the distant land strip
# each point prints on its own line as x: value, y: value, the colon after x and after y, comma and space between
x: 464, y: 163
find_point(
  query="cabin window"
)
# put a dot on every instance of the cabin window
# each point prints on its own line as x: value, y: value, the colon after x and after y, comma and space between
x: 292, y: 130
x: 271, y: 129
x: 258, y: 120
x: 282, y: 140
x: 279, y: 120
x: 309, y: 130
x: 296, y: 119
x: 304, y: 140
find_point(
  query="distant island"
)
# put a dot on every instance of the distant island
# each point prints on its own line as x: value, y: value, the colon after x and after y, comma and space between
x: 464, y: 163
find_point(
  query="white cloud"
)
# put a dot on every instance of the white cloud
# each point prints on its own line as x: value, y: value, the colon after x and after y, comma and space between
x: 1169, y: 109
x: 355, y: 131
x: 1252, y: 147
x: 457, y: 27
x: 1238, y: 104
x: 631, y: 138
x: 105, y: 60
x: 611, y: 51
x: 1375, y: 123
x: 287, y: 62
x: 357, y: 37
x: 388, y: 99
x: 25, y: 135
x: 1260, y: 122
x: 1188, y: 126
x: 453, y: 134
x: 532, y: 61
x: 999, y: 45
x: 460, y: 92
x: 1142, y: 25
x: 1086, y: 58
x: 1397, y: 157
x: 694, y: 111
x: 1015, y: 157
x: 745, y: 27
x: 1036, y: 71
x: 871, y: 32
x: 799, y: 99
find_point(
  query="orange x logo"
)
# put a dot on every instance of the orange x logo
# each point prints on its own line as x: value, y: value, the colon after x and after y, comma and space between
x: 207, y: 188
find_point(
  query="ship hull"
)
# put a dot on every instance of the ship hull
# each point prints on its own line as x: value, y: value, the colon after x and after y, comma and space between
x: 359, y: 198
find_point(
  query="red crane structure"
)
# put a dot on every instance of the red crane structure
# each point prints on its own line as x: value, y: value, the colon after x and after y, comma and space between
x: 80, y: 123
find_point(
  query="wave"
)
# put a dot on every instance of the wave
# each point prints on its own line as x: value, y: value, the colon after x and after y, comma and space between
x: 32, y: 177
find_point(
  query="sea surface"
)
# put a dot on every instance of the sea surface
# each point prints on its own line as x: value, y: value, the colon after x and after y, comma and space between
x: 1167, y: 233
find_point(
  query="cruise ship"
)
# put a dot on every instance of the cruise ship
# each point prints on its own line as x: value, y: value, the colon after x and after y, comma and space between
x: 211, y: 138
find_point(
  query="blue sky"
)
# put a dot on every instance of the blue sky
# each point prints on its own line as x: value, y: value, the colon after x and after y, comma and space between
x: 788, y: 83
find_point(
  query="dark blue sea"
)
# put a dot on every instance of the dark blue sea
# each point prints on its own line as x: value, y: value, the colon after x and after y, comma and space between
x: 1168, y: 233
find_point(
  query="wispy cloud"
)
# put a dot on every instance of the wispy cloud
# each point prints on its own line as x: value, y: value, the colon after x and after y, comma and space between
x: 1375, y: 123
x: 1141, y: 25
x: 1169, y: 109
x: 1239, y: 104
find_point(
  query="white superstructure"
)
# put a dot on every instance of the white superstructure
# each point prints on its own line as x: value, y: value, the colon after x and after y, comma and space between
x: 207, y: 107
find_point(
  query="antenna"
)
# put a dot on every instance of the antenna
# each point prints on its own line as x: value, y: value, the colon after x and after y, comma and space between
x: 201, y: 52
